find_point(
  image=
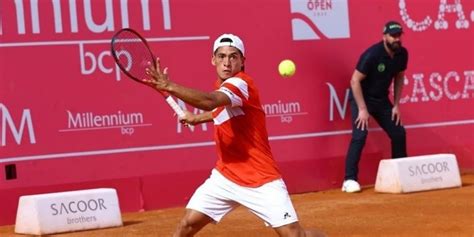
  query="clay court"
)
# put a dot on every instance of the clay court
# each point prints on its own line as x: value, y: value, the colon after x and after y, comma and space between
x: 446, y: 212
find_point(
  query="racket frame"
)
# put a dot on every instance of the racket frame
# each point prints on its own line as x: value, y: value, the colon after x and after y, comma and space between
x: 171, y: 102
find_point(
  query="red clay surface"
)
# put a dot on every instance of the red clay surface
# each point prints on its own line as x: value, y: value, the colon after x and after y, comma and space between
x: 446, y: 212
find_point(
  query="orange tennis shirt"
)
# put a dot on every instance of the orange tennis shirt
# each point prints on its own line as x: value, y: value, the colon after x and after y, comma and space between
x: 244, y: 154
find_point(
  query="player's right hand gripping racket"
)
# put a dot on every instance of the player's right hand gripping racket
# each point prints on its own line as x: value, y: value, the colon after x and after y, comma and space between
x: 133, y: 55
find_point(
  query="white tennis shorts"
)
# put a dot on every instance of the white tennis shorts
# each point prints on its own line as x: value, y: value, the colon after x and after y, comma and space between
x: 218, y: 196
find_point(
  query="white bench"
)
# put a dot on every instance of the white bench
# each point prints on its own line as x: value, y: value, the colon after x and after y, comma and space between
x: 418, y: 173
x: 68, y: 211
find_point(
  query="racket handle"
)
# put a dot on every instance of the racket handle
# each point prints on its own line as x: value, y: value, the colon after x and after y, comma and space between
x: 175, y: 106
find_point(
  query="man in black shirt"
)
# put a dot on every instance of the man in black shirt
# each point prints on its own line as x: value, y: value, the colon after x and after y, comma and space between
x: 377, y: 67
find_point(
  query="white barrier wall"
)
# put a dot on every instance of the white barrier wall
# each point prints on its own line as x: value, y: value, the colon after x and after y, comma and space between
x: 418, y: 173
x: 68, y: 211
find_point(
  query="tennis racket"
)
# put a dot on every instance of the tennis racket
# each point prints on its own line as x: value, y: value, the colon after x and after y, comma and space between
x: 133, y: 56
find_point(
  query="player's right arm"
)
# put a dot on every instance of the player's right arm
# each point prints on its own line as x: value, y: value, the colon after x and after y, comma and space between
x: 362, y: 121
x: 202, y: 100
x: 207, y: 101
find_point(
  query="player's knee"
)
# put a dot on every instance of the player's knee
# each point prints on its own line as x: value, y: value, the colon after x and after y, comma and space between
x: 291, y: 230
x: 186, y: 228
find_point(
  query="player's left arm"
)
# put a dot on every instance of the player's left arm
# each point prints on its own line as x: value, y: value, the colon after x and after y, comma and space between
x: 193, y: 119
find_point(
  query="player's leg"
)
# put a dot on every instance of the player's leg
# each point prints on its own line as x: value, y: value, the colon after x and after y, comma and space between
x: 295, y: 229
x: 271, y: 203
x: 192, y: 222
x: 209, y: 203
x: 397, y: 133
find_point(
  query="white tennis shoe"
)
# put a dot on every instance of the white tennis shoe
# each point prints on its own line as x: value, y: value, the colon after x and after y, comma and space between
x: 350, y: 186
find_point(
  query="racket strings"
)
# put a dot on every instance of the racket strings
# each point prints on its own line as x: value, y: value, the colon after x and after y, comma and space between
x: 132, y: 54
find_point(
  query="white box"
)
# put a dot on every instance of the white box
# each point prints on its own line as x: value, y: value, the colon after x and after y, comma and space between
x: 68, y: 211
x: 418, y: 173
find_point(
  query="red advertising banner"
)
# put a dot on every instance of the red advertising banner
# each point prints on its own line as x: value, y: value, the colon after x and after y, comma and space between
x: 68, y: 115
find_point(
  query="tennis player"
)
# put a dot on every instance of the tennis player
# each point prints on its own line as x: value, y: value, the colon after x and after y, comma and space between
x: 245, y: 173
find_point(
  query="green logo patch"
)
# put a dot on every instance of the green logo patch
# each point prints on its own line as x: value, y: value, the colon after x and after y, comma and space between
x: 381, y: 67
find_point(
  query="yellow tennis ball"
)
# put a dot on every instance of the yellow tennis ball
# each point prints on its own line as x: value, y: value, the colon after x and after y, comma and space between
x: 286, y: 68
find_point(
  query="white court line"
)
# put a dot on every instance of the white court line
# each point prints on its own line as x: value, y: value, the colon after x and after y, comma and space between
x: 105, y: 41
x: 341, y: 132
x: 104, y: 152
x: 201, y: 144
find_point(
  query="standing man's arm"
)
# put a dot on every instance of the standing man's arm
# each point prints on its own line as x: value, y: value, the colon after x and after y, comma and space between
x: 398, y: 87
x: 362, y: 120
